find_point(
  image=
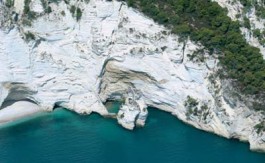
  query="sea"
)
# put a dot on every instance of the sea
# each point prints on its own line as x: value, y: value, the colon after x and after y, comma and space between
x: 63, y: 136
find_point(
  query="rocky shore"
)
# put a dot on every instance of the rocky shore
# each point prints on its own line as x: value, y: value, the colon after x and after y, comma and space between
x: 109, y: 53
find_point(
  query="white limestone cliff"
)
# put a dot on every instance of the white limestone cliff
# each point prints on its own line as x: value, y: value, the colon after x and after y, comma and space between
x: 79, y: 65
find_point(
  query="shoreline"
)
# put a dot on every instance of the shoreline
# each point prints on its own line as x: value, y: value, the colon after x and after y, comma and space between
x: 20, y: 111
x: 17, y: 111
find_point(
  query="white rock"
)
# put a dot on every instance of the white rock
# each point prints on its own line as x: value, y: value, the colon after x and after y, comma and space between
x: 36, y: 6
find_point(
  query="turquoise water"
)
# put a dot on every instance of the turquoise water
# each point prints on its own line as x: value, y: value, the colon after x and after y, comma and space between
x: 63, y: 136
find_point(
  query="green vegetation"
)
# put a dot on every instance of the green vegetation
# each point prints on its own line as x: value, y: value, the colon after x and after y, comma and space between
x: 28, y: 15
x: 206, y: 22
x: 46, y: 7
x: 260, y: 127
x: 259, y: 35
x: 29, y: 36
x: 9, y: 3
x: 63, y: 13
x: 191, y: 102
x: 257, y: 4
x: 197, y: 56
x: 258, y: 106
x: 246, y: 23
x: 66, y: 1
x: 76, y: 12
x: 204, y: 111
x: 260, y: 13
x: 72, y: 10
x: 26, y: 6
x: 192, y: 105
x: 246, y: 4
x: 54, y: 1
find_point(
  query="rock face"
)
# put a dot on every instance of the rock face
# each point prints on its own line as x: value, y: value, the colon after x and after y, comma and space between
x: 113, y: 49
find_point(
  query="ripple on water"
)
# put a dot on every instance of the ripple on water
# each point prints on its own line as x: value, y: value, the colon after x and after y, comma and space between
x: 67, y: 137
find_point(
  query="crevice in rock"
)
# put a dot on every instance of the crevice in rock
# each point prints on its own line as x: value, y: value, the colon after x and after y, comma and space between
x: 183, y: 51
x: 57, y: 105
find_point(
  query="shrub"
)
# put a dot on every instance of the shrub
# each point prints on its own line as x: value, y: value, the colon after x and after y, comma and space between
x: 29, y: 36
x: 9, y: 3
x: 260, y: 127
x: 78, y: 14
x: 191, y: 102
x: 72, y: 10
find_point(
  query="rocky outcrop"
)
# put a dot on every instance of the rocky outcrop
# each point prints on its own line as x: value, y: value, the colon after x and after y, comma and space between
x: 109, y: 53
x: 133, y: 112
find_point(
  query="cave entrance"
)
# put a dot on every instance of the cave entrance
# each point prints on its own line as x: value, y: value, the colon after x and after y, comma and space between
x: 18, y: 93
x: 8, y: 103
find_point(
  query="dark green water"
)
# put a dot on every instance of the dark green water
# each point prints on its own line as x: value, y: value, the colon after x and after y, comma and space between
x: 63, y: 136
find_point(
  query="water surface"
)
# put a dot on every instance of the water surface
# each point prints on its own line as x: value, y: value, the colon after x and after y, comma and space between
x: 63, y: 136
